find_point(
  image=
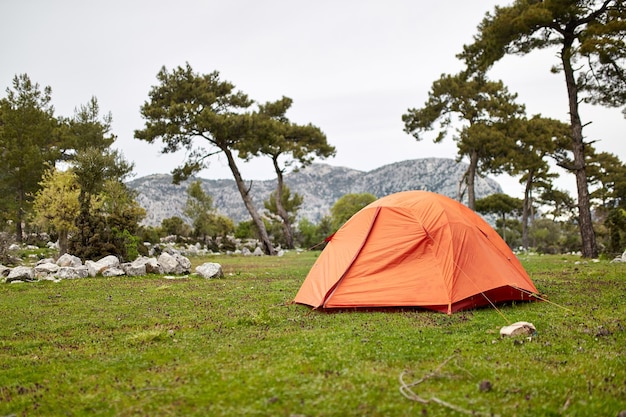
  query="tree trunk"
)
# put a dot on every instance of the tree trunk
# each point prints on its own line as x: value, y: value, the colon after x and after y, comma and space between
x: 247, y: 200
x: 585, y: 224
x: 279, y: 205
x: 19, y: 231
x: 471, y: 176
x: 526, y: 208
x: 63, y: 242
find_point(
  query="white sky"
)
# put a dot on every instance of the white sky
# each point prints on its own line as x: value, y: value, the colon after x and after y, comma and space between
x: 352, y: 67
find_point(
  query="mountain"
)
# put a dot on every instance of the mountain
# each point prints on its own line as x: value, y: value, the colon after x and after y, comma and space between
x: 321, y: 185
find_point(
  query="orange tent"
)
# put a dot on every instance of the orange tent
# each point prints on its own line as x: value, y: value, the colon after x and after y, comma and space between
x: 415, y: 248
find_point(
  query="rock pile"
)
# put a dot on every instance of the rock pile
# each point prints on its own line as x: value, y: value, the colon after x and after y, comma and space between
x: 71, y: 267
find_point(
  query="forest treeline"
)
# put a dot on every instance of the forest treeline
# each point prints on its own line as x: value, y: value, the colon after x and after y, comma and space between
x: 60, y: 176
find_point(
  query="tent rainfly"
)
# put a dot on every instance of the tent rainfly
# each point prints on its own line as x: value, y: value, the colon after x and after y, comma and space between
x: 418, y: 249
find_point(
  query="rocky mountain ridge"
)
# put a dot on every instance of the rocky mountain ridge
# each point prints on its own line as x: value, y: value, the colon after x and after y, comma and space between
x: 321, y: 185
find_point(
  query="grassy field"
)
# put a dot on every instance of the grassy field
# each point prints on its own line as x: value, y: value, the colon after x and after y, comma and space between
x: 238, y: 347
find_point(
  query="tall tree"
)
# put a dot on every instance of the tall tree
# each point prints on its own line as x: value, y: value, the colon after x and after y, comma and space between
x: 483, y: 107
x: 607, y: 177
x: 198, y: 208
x: 500, y: 204
x: 87, y: 128
x: 185, y: 107
x: 288, y: 145
x: 560, y: 201
x: 590, y: 35
x: 28, y: 146
x: 284, y: 206
x: 607, y: 174
x: 105, y: 203
x: 535, y: 139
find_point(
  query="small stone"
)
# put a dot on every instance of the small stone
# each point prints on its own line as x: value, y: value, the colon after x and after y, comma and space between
x: 519, y: 328
x: 485, y: 386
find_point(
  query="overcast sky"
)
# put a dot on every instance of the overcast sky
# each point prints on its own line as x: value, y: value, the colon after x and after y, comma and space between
x: 352, y: 67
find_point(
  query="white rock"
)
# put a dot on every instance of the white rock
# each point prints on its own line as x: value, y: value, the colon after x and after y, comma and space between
x: 174, y: 264
x: 68, y: 272
x: 21, y: 273
x: 98, y: 268
x: 168, y: 263
x: 519, y: 328
x: 210, y: 270
x: 46, y: 269
x: 69, y: 260
x: 134, y: 269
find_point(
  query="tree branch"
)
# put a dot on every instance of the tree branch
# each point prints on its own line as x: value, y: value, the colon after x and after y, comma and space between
x: 407, y: 392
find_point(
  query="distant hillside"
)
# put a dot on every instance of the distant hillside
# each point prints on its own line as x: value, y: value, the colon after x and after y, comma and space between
x: 321, y: 186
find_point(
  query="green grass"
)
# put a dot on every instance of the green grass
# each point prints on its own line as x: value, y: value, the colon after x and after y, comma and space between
x: 237, y: 346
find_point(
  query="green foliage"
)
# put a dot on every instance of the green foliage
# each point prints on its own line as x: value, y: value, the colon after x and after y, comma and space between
x: 280, y: 139
x: 87, y: 129
x: 175, y: 226
x: 499, y: 203
x: 313, y: 235
x: 128, y: 246
x: 590, y: 39
x: 484, y: 108
x: 283, y: 215
x: 347, y: 206
x: 551, y: 237
x: 237, y: 346
x: 616, y: 224
x: 607, y: 177
x: 149, y: 234
x: 502, y: 204
x: 290, y: 203
x: 56, y: 206
x: 199, y: 207
x: 186, y: 108
x: 245, y: 230
x: 108, y: 209
x: 562, y: 205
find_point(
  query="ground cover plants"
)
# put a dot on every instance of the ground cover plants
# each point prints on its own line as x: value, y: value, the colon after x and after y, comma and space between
x: 237, y: 346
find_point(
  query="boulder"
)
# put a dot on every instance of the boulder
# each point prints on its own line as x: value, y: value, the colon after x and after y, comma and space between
x: 68, y: 272
x: 44, y: 270
x: 258, y: 252
x: 69, y: 260
x: 210, y: 270
x: 184, y: 262
x: 134, y: 269
x: 153, y: 266
x: 98, y: 268
x: 21, y: 273
x: 174, y: 264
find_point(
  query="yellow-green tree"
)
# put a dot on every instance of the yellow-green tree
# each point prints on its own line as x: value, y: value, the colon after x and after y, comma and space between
x: 347, y: 206
x: 56, y: 204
